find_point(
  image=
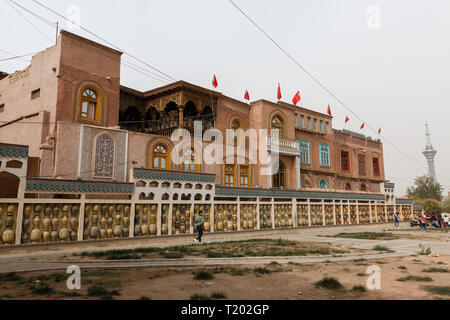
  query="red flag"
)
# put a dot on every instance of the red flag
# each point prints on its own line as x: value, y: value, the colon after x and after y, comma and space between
x: 347, y: 119
x: 363, y: 125
x: 329, y: 111
x: 379, y: 131
x: 296, y: 99
x: 279, y: 92
x: 214, y: 82
x: 247, y: 96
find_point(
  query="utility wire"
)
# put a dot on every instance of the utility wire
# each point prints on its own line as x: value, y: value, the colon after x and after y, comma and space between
x: 109, y: 43
x: 144, y: 73
x: 51, y: 24
x: 18, y: 57
x: 32, y: 24
x: 322, y: 85
x: 13, y: 55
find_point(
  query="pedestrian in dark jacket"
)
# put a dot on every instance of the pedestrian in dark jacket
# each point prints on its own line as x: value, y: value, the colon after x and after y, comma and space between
x: 199, y: 223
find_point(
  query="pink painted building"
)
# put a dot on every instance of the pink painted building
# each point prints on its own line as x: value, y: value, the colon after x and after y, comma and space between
x: 68, y: 106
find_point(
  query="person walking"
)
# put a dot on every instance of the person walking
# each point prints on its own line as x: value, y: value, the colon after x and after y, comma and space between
x: 439, y: 219
x: 446, y: 221
x: 422, y: 223
x: 397, y: 220
x: 199, y: 223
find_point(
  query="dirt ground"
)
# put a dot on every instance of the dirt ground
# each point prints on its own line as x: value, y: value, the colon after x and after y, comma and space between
x: 271, y: 281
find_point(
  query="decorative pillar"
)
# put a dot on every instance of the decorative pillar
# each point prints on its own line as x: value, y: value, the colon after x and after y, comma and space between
x: 169, y: 225
x: 370, y: 212
x: 272, y: 214
x: 294, y: 212
x: 192, y: 215
x: 238, y: 214
x: 334, y: 212
x: 342, y: 213
x: 158, y: 217
x: 309, y: 213
x: 132, y: 216
x: 81, y: 217
x: 385, y: 213
x: 299, y: 180
x: 324, y: 220
x: 357, y: 212
x: 349, y: 211
x: 181, y: 120
x: 258, y: 214
x: 213, y: 208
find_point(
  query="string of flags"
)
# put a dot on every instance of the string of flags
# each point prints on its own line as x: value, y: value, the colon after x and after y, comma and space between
x: 297, y: 98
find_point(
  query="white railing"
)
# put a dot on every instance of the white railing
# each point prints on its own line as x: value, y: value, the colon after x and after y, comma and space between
x: 284, y: 143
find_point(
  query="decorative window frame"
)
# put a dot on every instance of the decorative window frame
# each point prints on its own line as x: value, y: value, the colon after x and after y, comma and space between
x: 94, y: 156
x: 77, y: 103
x: 304, y: 147
x: 324, y: 150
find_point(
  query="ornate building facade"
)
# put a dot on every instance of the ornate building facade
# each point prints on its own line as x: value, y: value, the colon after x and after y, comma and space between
x: 85, y: 135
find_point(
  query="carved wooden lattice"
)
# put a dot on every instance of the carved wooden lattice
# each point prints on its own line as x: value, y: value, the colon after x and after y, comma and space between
x: 104, y: 156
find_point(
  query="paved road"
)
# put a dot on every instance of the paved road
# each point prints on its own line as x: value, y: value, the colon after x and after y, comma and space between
x: 44, y: 258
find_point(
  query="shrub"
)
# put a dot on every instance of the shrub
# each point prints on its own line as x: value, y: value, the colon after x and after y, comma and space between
x: 200, y: 297
x: 436, y: 270
x: 203, y: 275
x: 359, y: 289
x: 382, y: 248
x: 329, y: 283
x: 415, y: 278
x: 218, y: 295
x: 42, y: 290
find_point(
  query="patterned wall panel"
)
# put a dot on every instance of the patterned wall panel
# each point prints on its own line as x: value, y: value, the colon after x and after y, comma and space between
x: 181, y: 219
x: 316, y: 215
x: 329, y: 215
x: 346, y: 214
x: 146, y: 220
x: 390, y: 213
x: 206, y: 210
x: 353, y: 215
x: 225, y: 217
x: 364, y: 214
x: 50, y: 223
x: 8, y: 218
x: 283, y: 216
x: 302, y: 215
x: 106, y: 221
x: 249, y: 217
x: 407, y: 213
x: 265, y: 212
x: 339, y: 214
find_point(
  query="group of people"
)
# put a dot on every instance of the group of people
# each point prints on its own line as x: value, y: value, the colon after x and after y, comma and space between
x: 437, y: 221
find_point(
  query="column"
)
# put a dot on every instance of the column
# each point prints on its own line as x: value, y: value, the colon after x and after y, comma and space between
x: 132, y: 217
x: 323, y: 213
x: 20, y: 207
x: 213, y: 208
x: 269, y: 170
x: 192, y: 218
x: 180, y: 123
x: 294, y: 212
x: 334, y: 212
x: 258, y: 215
x: 357, y: 213
x: 238, y: 214
x: 309, y: 213
x: 349, y: 221
x: 370, y: 212
x: 385, y: 213
x: 81, y: 217
x: 299, y: 180
x: 169, y: 225
x: 158, y: 217
x: 342, y: 212
x: 272, y: 214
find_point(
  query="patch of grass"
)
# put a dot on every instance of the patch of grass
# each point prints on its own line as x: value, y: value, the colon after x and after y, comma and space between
x: 42, y: 290
x: 69, y: 294
x: 172, y: 254
x: 203, y: 275
x: 443, y: 291
x: 403, y: 268
x: 382, y: 248
x: 361, y: 274
x: 10, y: 277
x: 262, y: 270
x: 359, y: 289
x: 218, y: 295
x: 57, y: 277
x: 415, y: 278
x: 424, y: 251
x: 98, y: 290
x: 367, y: 236
x: 100, y: 273
x: 436, y: 270
x: 198, y: 296
x: 440, y: 262
x: 274, y: 264
x: 380, y: 262
x: 144, y: 298
x: 330, y: 283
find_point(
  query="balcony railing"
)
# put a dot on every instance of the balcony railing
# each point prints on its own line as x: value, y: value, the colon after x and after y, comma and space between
x: 285, y: 145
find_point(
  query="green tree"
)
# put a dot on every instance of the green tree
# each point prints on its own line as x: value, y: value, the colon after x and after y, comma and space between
x: 425, y: 188
x: 431, y: 206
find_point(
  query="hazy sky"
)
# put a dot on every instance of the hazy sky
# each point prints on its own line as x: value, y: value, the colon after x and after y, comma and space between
x: 395, y: 77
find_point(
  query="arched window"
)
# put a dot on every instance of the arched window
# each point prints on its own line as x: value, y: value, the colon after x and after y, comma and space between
x: 279, y: 179
x: 90, y: 105
x: 104, y: 157
x: 277, y: 123
x: 189, y: 162
x: 323, y: 184
x: 236, y: 124
x: 363, y: 187
x: 160, y: 157
x: 348, y: 187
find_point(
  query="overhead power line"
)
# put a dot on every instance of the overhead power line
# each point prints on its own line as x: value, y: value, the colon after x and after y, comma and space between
x: 331, y: 93
x: 18, y: 57
x: 109, y: 43
x: 51, y: 24
x: 30, y: 22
